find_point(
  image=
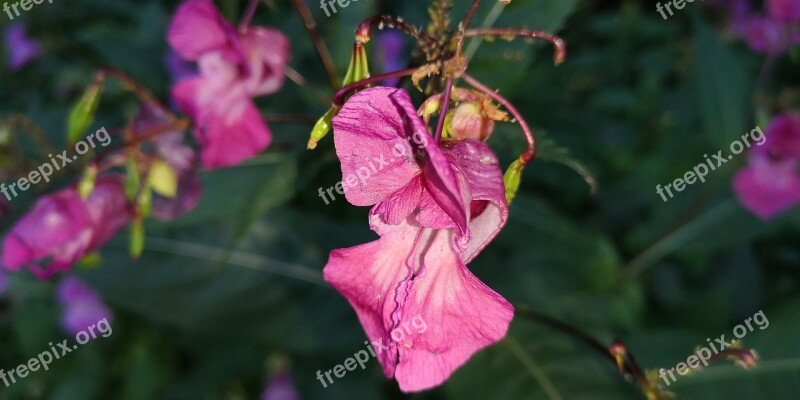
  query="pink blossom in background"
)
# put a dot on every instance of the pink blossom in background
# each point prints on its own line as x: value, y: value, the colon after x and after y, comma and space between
x: 170, y: 147
x: 61, y: 228
x: 235, y: 66
x: 83, y: 306
x: 280, y: 387
x: 770, y: 183
x: 20, y: 49
x: 772, y: 32
x: 434, y: 209
x: 784, y: 10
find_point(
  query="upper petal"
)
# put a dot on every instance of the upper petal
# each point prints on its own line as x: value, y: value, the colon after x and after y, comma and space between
x: 413, y: 294
x: 371, y: 135
x: 267, y: 52
x: 197, y: 28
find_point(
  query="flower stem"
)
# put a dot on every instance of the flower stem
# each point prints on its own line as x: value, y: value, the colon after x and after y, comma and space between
x: 249, y: 12
x: 528, y: 155
x: 140, y: 91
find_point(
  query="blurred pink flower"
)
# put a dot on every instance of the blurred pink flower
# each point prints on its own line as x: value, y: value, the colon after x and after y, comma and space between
x: 234, y: 67
x: 21, y: 49
x: 784, y: 10
x: 170, y: 147
x: 61, y: 228
x: 770, y: 184
x: 280, y: 387
x: 434, y: 209
x: 765, y: 35
x: 83, y: 306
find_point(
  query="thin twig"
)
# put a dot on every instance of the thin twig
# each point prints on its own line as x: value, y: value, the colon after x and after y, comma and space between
x: 322, y: 49
x: 561, y: 48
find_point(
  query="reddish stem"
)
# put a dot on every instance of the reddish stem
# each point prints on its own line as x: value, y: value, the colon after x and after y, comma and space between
x: 561, y: 48
x: 528, y: 155
x: 339, y: 98
x: 249, y: 12
x: 142, y: 92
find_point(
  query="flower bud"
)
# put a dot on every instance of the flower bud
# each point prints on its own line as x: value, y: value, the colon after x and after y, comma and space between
x: 469, y: 121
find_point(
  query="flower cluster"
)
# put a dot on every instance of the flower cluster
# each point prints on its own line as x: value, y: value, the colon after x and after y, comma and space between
x: 770, y: 184
x: 235, y: 66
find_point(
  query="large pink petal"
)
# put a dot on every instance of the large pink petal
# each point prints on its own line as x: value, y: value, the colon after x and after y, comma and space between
x: 462, y: 315
x: 413, y: 274
x: 198, y: 28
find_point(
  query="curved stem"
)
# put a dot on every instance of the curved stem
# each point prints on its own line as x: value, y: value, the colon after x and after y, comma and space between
x: 526, y: 130
x: 142, y: 92
x: 559, y: 44
x: 249, y: 12
x: 338, y: 99
x: 322, y: 49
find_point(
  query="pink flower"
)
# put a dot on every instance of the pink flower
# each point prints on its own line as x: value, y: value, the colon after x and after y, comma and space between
x: 765, y: 35
x: 83, y: 306
x: 234, y: 67
x: 61, y: 228
x: 784, y: 10
x: 770, y: 184
x: 434, y: 209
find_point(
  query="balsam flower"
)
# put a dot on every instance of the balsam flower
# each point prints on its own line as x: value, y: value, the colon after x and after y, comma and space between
x: 235, y: 66
x: 83, y: 306
x: 61, y: 228
x: 770, y: 184
x: 434, y: 210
